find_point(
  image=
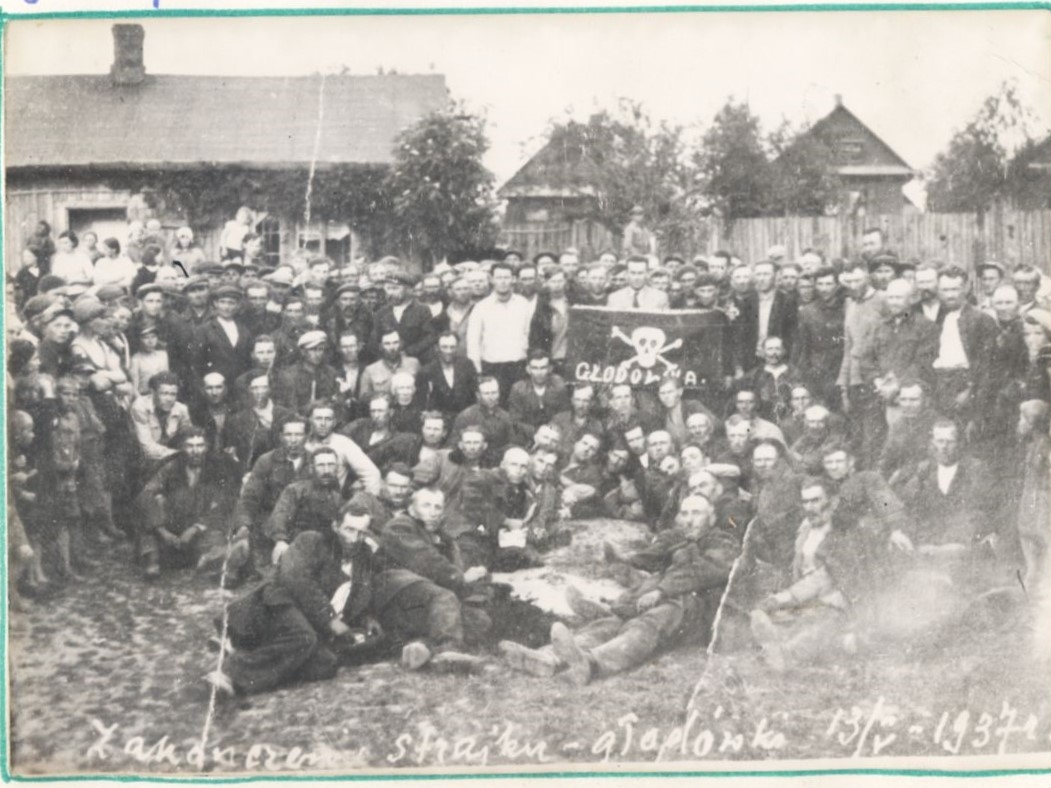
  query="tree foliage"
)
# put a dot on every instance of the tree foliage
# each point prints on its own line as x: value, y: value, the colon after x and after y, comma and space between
x: 622, y: 160
x: 733, y: 164
x: 803, y: 179
x: 973, y: 171
x: 441, y: 193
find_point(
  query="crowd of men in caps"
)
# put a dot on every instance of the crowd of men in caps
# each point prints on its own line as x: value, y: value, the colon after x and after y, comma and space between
x: 357, y: 449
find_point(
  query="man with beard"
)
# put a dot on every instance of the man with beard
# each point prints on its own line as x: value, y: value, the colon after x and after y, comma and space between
x: 549, y: 327
x: 255, y: 430
x: 223, y: 342
x: 406, y: 316
x: 809, y: 451
x: 310, y: 378
x: 270, y: 475
x: 393, y: 499
x: 417, y: 595
x: 927, y: 303
x: 775, y: 496
x: 350, y: 314
x: 293, y: 626
x: 676, y: 600
x: 322, y: 418
x: 1010, y: 362
x: 188, y: 503
x: 377, y: 376
x: 450, y: 381
x: 818, y: 350
x: 309, y: 505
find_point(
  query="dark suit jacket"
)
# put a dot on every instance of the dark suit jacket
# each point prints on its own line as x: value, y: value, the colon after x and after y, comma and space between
x: 416, y: 329
x: 978, y: 333
x: 410, y: 554
x: 784, y: 315
x: 306, y: 577
x: 963, y: 515
x: 216, y: 354
x: 438, y: 395
x: 527, y: 408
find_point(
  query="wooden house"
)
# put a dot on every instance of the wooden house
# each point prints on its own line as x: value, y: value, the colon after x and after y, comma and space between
x: 80, y: 148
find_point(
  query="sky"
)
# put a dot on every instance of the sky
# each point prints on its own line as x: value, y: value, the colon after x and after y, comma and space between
x: 915, y: 77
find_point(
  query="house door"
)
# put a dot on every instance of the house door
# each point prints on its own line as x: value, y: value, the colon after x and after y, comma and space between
x: 104, y: 222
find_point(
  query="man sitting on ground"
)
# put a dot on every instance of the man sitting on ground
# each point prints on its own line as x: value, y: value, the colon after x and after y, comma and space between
x: 677, y: 601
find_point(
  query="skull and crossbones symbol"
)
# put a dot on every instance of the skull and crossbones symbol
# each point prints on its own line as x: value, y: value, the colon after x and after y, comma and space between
x: 649, y: 347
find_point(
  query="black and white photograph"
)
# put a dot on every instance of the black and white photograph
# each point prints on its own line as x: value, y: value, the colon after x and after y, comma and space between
x: 546, y: 392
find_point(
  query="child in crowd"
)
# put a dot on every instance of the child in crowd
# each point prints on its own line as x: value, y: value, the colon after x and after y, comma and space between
x: 148, y: 361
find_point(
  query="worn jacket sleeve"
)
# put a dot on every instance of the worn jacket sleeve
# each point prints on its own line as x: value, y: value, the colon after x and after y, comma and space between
x: 278, y: 525
x: 297, y: 571
x: 364, y: 468
x: 701, y: 566
x: 406, y: 547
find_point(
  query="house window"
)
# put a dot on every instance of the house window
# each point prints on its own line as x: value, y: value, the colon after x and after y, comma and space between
x: 537, y: 215
x: 850, y: 150
x: 270, y: 230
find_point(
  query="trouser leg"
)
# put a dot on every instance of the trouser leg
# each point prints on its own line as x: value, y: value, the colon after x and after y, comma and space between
x: 286, y: 649
x: 425, y: 611
x: 638, y: 639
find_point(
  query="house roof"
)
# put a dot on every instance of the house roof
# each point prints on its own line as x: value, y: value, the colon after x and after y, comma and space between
x: 556, y: 170
x: 879, y: 159
x: 174, y: 120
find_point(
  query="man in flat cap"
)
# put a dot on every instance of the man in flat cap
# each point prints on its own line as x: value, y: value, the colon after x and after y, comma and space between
x: 349, y: 314
x: 403, y: 313
x: 223, y: 343
x: 637, y: 237
x: 310, y: 378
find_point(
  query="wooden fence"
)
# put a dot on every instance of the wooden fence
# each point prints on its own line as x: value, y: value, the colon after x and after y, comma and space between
x: 1010, y: 236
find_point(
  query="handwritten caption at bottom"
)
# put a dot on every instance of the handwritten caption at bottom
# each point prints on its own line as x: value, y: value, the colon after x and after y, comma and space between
x: 871, y: 729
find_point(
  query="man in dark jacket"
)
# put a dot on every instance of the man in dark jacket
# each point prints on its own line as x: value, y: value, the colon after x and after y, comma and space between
x: 449, y: 382
x: 536, y: 400
x: 419, y: 585
x: 255, y: 430
x: 818, y: 349
x: 223, y: 342
x: 402, y: 313
x: 687, y: 567
x: 270, y: 475
x: 310, y: 378
x: 309, y: 505
x: 187, y: 504
x: 292, y: 626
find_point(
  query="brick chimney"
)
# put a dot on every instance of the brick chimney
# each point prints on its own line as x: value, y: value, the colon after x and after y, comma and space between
x: 128, y: 67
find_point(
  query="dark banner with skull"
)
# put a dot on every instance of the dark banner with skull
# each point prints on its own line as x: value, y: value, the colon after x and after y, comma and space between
x: 608, y: 346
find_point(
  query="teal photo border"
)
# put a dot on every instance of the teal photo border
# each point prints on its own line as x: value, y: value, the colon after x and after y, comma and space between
x: 148, y: 12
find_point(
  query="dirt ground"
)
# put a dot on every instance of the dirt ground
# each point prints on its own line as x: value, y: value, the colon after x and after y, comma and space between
x: 106, y: 678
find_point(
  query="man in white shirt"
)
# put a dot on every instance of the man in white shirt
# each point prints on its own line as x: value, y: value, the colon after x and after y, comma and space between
x: 498, y: 331
x: 638, y: 295
x: 966, y: 344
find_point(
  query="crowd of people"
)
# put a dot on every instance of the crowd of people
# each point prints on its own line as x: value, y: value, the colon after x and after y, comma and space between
x: 359, y: 448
